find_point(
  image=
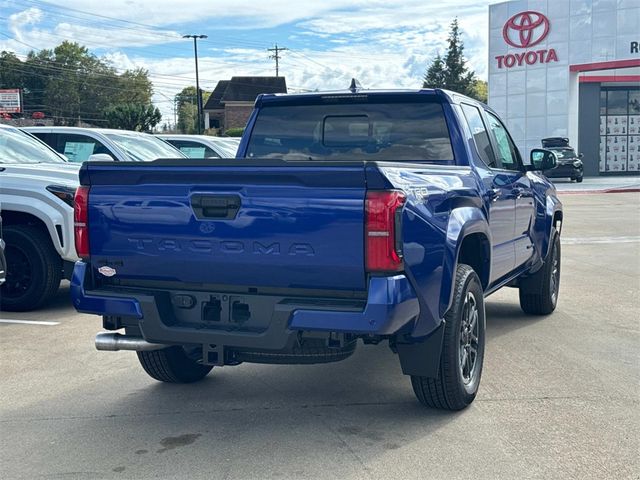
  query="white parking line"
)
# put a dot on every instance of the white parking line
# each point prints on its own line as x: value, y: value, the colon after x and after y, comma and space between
x: 592, y: 240
x: 29, y: 322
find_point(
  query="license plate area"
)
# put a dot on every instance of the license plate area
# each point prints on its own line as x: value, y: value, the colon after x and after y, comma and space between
x: 221, y: 311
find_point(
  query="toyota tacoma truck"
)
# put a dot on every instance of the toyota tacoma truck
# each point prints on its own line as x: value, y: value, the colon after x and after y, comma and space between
x: 373, y: 216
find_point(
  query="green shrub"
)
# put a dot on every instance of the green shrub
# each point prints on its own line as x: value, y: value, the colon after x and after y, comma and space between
x: 234, y: 132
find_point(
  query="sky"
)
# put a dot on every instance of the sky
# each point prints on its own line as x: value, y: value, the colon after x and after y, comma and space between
x: 384, y: 44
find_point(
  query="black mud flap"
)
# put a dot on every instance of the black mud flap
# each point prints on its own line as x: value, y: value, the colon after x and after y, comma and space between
x: 422, y: 358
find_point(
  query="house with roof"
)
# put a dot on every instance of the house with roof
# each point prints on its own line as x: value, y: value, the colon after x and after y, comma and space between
x: 231, y: 102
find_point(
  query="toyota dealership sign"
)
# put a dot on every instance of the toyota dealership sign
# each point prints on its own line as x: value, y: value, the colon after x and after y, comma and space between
x: 526, y: 30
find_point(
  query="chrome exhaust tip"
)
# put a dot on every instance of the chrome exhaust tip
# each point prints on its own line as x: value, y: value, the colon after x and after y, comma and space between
x: 113, y: 342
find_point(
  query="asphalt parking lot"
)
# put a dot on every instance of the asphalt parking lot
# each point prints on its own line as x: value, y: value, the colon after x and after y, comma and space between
x: 559, y: 396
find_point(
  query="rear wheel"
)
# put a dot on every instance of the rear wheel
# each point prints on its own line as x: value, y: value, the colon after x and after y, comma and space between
x: 462, y: 351
x: 579, y: 179
x: 539, y: 292
x: 34, y: 268
x: 172, y: 365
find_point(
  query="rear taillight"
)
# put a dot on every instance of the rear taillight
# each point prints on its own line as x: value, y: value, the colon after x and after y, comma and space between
x: 383, y: 222
x: 81, y: 221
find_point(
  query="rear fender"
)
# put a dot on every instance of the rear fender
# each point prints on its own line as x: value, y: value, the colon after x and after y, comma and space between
x: 553, y: 206
x: 463, y: 221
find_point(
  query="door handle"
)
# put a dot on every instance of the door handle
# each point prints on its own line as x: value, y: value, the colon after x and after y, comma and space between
x: 213, y: 206
x: 494, y: 194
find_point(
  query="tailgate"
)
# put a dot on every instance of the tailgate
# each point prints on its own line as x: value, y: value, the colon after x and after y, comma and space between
x: 241, y: 223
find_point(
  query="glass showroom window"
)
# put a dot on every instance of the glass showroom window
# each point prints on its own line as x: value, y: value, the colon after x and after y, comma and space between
x: 620, y: 129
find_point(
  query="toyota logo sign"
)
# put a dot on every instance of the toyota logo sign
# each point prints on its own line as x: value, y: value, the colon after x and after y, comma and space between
x: 525, y: 29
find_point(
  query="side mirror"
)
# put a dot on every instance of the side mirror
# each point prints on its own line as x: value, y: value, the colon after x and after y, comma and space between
x: 542, y: 159
x: 580, y: 155
x: 100, y: 157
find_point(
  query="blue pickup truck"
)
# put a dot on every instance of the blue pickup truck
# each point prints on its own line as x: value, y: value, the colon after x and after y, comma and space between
x: 381, y: 216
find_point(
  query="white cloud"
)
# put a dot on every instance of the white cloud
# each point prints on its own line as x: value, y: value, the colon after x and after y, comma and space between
x: 26, y: 17
x: 384, y: 44
x: 27, y: 28
x: 245, y: 13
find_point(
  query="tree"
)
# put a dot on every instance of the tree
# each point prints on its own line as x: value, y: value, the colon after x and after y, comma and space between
x: 133, y: 116
x: 11, y: 73
x: 481, y: 91
x: 434, y: 78
x: 80, y: 85
x: 451, y: 71
x: 70, y: 84
x: 187, y: 109
x: 185, y: 102
x: 134, y: 87
x: 37, y: 74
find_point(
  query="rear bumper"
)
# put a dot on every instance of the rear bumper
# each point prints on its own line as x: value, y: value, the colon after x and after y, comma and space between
x: 390, y: 305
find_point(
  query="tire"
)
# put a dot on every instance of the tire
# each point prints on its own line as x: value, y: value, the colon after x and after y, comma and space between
x: 172, y: 365
x: 539, y: 292
x: 458, y: 380
x: 34, y: 269
x: 579, y: 179
x: 308, y: 352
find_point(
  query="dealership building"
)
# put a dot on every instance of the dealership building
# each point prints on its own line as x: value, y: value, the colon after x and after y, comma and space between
x: 570, y: 68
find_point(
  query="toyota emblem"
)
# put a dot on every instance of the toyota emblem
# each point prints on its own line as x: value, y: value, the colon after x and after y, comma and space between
x: 525, y: 29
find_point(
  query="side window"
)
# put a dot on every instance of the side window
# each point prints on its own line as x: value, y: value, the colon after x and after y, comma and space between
x: 507, y: 155
x: 78, y: 148
x: 194, y: 149
x: 44, y: 137
x: 480, y: 135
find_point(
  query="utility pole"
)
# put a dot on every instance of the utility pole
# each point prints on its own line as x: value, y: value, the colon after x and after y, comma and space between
x: 198, y: 92
x: 276, y: 57
x: 175, y: 113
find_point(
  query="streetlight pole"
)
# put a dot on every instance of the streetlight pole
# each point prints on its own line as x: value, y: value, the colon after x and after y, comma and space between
x: 198, y: 92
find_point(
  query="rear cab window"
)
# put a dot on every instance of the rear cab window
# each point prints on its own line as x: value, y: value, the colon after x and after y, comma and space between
x: 353, y: 130
x: 479, y: 132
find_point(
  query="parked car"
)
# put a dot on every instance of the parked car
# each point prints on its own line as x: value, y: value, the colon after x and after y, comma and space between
x: 82, y: 144
x: 3, y: 262
x: 569, y: 164
x: 36, y: 201
x: 381, y: 216
x: 203, y: 146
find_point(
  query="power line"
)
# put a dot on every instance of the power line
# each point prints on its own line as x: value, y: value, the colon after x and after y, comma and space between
x: 303, y: 56
x: 48, y: 5
x: 276, y: 56
x: 131, y: 25
x: 179, y: 79
x: 165, y: 80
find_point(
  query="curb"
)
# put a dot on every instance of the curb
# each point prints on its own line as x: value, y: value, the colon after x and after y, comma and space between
x: 604, y: 190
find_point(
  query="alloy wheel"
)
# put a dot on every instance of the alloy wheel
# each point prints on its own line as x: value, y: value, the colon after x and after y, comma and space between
x: 468, y: 351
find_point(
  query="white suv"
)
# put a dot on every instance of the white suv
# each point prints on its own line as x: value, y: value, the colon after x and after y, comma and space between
x: 36, y: 205
x: 81, y: 144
